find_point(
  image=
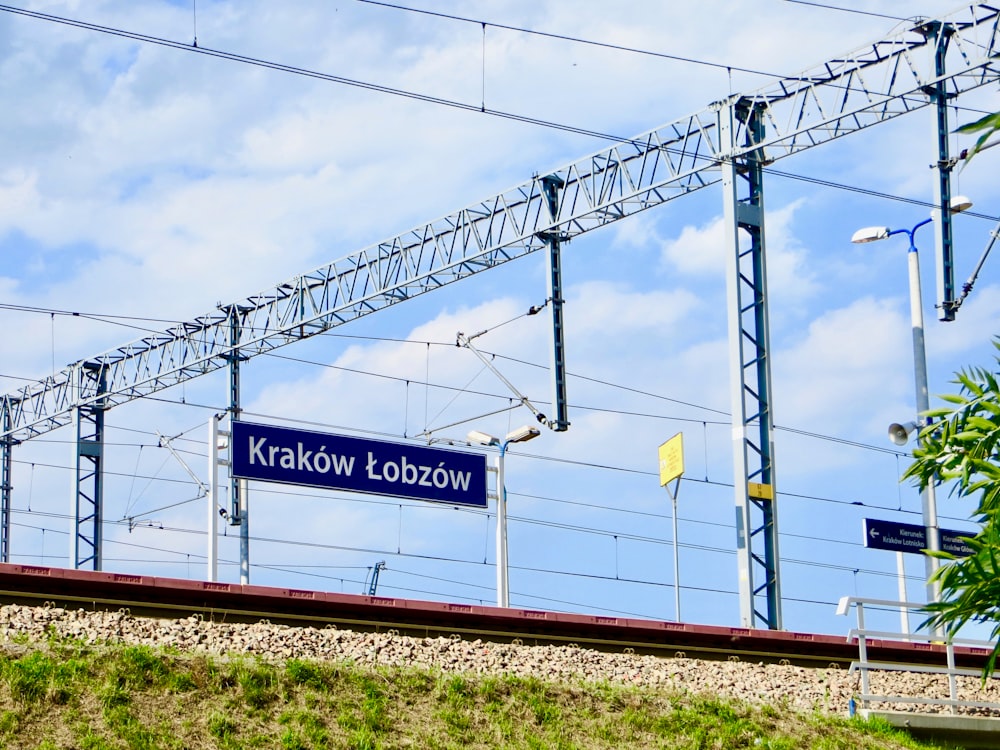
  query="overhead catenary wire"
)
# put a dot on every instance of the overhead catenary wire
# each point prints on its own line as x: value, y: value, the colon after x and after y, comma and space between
x: 450, y: 345
x: 568, y: 38
x: 584, y: 407
x: 617, y: 534
x: 530, y: 569
x: 451, y: 594
x: 291, y: 69
x: 580, y: 463
x: 338, y: 79
x: 728, y: 67
x: 305, y: 72
x: 532, y: 521
x: 719, y: 484
x: 849, y: 10
x: 581, y: 529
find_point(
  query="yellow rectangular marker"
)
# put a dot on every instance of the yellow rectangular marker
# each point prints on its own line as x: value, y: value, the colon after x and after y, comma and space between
x: 672, y: 459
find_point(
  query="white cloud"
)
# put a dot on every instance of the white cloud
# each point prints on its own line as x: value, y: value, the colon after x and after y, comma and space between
x: 845, y: 370
x: 699, y: 250
x: 702, y: 250
x: 976, y: 322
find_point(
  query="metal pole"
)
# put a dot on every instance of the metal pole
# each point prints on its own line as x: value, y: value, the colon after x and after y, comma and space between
x: 212, y: 496
x: 88, y: 491
x: 237, y: 487
x: 503, y: 588
x: 6, y: 465
x: 863, y: 654
x: 904, y: 615
x: 550, y: 188
x: 943, y: 238
x: 927, y: 495
x: 244, y: 531
x: 741, y: 124
x: 677, y: 564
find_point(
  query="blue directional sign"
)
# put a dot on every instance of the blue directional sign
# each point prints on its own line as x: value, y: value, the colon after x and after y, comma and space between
x: 316, y: 459
x: 952, y: 541
x: 908, y: 537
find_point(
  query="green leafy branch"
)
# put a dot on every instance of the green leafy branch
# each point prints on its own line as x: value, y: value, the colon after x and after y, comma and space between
x: 961, y: 444
x: 988, y: 123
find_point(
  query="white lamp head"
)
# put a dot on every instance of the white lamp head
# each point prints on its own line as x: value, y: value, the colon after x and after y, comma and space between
x: 960, y: 203
x: 957, y: 204
x: 870, y: 234
x: 482, y: 438
x: 522, y: 434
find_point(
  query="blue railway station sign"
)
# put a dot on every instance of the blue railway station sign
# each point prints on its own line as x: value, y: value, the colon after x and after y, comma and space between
x: 270, y: 453
x: 909, y: 537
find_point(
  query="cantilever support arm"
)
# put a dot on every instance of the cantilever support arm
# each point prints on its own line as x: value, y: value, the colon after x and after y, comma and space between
x: 462, y: 340
x: 165, y: 442
x: 967, y: 286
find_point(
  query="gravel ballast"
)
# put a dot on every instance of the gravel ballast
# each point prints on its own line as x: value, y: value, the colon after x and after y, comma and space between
x: 829, y: 690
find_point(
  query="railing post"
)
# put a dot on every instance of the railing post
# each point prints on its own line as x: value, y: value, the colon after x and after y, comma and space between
x: 952, y: 680
x: 863, y: 653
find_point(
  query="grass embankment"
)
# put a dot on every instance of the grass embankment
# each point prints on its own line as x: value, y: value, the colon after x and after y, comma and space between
x: 70, y: 695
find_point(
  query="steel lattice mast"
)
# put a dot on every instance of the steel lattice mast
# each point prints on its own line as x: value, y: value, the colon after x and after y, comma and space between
x: 881, y: 81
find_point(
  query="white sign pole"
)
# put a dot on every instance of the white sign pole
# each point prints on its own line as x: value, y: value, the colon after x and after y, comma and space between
x: 677, y: 561
x: 904, y: 615
x: 671, y: 458
x: 213, y: 498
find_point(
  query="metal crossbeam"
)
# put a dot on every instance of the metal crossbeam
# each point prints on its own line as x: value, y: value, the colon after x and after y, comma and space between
x: 881, y: 81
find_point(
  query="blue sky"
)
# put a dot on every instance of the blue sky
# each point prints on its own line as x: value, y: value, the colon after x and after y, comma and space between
x: 142, y: 181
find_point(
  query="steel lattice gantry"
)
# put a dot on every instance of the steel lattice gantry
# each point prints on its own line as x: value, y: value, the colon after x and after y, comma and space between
x: 89, y: 497
x: 750, y: 370
x: 888, y: 78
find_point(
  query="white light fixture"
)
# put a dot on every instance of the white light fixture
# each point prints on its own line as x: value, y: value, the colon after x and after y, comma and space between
x: 870, y: 234
x: 900, y: 433
x: 520, y: 435
x: 523, y: 434
x: 482, y: 438
x: 960, y: 203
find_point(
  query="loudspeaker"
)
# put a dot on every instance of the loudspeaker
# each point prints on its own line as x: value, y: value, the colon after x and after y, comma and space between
x: 900, y: 433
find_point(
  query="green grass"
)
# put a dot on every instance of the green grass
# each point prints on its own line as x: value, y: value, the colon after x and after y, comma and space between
x: 63, y: 694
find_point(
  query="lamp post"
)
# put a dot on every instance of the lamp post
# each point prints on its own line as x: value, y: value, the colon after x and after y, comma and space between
x: 899, y: 433
x: 520, y: 435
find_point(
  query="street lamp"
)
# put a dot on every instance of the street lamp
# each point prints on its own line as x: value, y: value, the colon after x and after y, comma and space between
x: 520, y: 435
x: 899, y: 433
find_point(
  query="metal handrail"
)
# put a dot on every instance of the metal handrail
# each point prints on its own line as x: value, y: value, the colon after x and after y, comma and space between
x: 863, y: 665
